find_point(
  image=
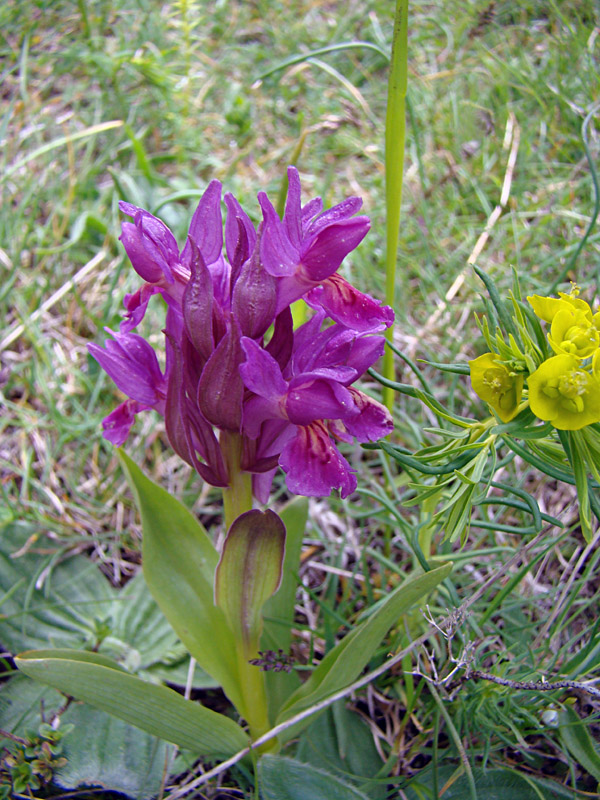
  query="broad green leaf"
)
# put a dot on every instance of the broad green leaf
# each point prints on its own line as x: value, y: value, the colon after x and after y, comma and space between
x: 75, y: 606
x: 575, y: 737
x: 155, y: 709
x: 249, y: 572
x: 44, y: 603
x: 101, y: 751
x: 105, y: 751
x: 143, y: 640
x: 340, y: 742
x: 179, y: 562
x: 284, y: 778
x: 346, y: 661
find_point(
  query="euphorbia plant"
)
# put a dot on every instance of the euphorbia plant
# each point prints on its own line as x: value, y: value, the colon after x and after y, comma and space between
x: 242, y: 394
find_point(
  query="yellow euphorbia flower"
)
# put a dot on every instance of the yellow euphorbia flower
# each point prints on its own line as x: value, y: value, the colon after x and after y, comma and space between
x: 562, y: 392
x: 496, y: 385
x: 573, y: 333
x: 546, y: 308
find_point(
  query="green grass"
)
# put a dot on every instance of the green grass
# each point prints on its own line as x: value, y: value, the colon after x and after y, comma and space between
x: 182, y: 83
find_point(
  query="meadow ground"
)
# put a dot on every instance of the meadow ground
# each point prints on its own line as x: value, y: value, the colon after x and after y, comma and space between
x: 148, y: 101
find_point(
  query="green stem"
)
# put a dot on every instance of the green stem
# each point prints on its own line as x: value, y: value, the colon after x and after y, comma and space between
x: 254, y: 694
x: 237, y: 497
x: 395, y: 135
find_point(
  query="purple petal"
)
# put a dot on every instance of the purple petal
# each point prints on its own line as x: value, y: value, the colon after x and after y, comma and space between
x: 261, y: 485
x: 256, y: 411
x: 331, y: 246
x: 206, y: 227
x: 277, y: 253
x: 310, y: 211
x: 351, y: 308
x: 133, y: 242
x: 175, y: 408
x: 306, y: 333
x: 292, y: 217
x: 292, y: 288
x: 343, y: 210
x: 313, y: 464
x: 159, y: 242
x: 374, y: 421
x: 236, y: 216
x: 281, y: 343
x: 261, y: 372
x: 319, y: 399
x: 118, y: 423
x: 340, y: 374
x: 132, y: 364
x: 366, y: 350
x: 129, y: 208
x: 331, y: 346
x: 136, y: 305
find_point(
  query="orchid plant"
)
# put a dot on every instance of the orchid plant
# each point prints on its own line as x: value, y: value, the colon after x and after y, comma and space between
x: 242, y: 393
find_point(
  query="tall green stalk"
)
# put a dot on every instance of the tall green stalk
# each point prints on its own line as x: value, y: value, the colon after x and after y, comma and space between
x: 395, y: 136
x: 237, y: 498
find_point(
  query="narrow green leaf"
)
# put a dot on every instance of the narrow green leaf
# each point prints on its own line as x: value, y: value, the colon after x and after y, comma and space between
x: 576, y: 738
x: 284, y: 778
x: 346, y: 661
x: 395, y: 135
x: 140, y: 153
x: 155, y: 709
x: 581, y: 481
x: 59, y: 142
x: 179, y: 563
x: 249, y: 572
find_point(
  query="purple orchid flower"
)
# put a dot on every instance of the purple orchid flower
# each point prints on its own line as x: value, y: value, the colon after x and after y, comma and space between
x: 315, y: 397
x: 132, y: 364
x: 307, y: 247
x: 233, y: 362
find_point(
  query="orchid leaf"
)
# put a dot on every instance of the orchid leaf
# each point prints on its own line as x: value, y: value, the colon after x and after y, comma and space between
x: 249, y: 572
x: 101, y: 751
x: 179, y: 563
x: 157, y: 710
x: 346, y: 661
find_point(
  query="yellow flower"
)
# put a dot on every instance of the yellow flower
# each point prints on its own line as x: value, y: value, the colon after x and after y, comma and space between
x: 546, y: 308
x: 496, y: 385
x: 562, y: 392
x: 573, y: 333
